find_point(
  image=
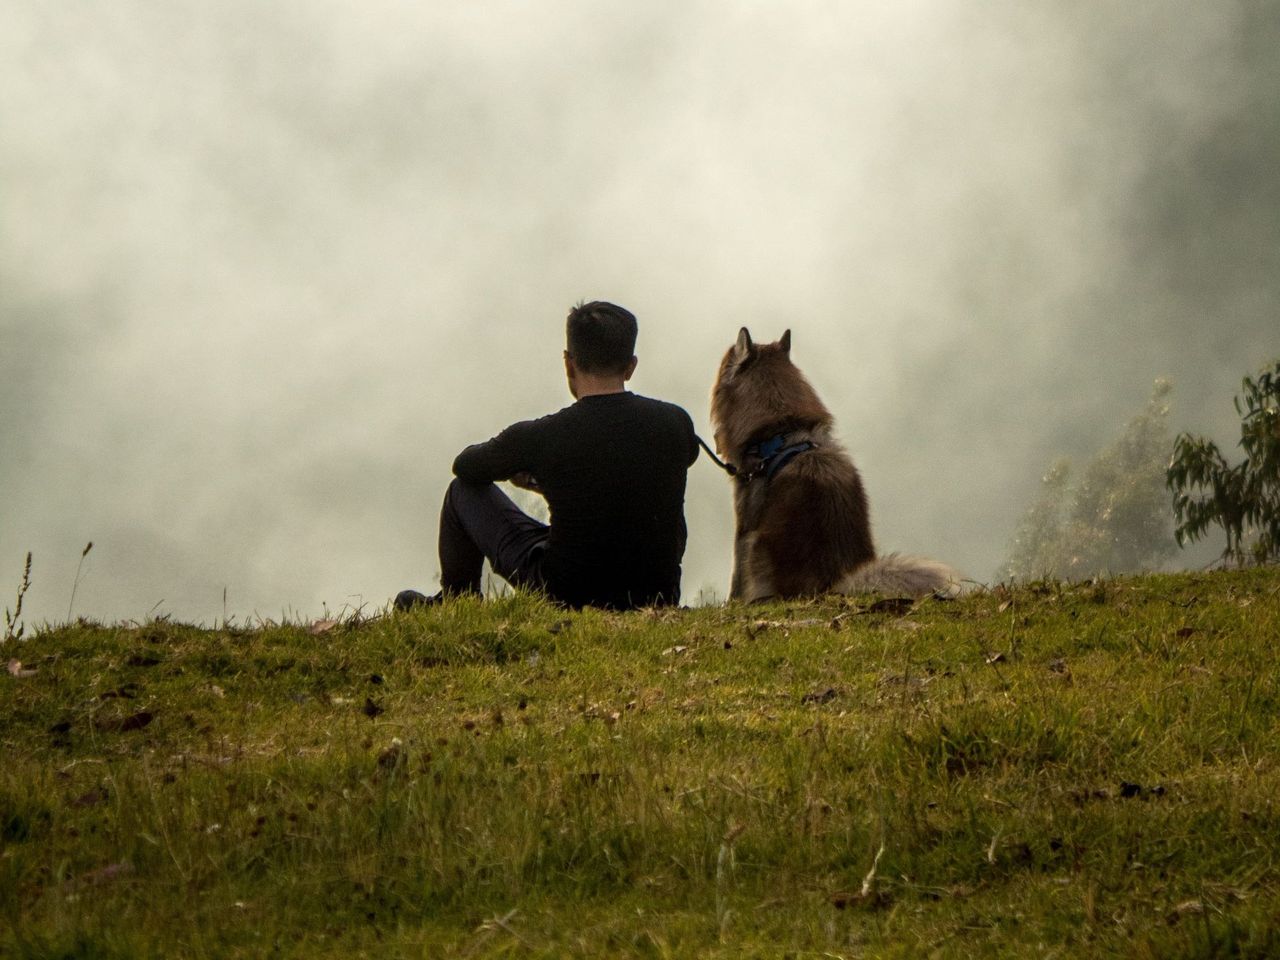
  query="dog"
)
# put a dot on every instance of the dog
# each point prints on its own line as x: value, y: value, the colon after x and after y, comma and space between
x: 802, y: 526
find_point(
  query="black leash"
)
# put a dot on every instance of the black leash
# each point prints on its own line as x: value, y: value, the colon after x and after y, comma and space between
x: 774, y: 454
x: 728, y: 468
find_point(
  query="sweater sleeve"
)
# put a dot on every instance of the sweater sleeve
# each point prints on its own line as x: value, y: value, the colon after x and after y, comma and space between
x: 498, y: 459
x: 691, y: 437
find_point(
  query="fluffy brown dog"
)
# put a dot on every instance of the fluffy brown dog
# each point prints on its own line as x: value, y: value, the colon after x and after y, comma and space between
x: 802, y: 526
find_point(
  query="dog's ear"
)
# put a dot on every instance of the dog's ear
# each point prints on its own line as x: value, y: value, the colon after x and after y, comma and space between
x: 785, y: 343
x: 744, y: 348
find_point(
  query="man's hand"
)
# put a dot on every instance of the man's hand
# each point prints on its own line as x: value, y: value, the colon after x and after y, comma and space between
x: 525, y: 481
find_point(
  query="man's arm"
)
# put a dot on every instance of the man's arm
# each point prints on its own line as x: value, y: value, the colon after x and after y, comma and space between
x: 501, y: 458
x: 525, y: 481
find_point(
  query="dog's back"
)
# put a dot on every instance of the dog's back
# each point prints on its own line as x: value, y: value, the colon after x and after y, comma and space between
x: 813, y: 524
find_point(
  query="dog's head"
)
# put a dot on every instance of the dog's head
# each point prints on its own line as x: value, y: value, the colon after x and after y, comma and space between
x: 745, y: 355
x: 758, y: 387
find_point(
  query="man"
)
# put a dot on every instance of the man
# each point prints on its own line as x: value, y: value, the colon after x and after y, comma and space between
x: 612, y: 467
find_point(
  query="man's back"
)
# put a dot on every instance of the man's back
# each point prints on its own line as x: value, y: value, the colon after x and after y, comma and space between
x: 612, y: 468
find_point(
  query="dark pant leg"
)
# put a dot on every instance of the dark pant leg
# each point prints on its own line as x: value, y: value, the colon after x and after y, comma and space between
x: 479, y: 521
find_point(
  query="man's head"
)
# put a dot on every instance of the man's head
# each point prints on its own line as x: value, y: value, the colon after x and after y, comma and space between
x: 600, y: 346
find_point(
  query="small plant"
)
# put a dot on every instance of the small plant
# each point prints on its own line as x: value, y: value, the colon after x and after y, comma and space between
x: 1243, y: 499
x: 80, y: 566
x: 13, y: 627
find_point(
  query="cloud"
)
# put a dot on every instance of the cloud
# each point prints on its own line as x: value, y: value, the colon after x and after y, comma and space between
x: 268, y: 266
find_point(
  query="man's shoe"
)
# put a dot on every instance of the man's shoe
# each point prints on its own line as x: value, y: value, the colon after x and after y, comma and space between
x: 408, y: 599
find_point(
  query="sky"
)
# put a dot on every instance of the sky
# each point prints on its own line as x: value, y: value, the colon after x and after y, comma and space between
x: 266, y: 266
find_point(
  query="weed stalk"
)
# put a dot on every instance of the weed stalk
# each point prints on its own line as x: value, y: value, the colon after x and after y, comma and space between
x: 76, y: 584
x: 13, y: 627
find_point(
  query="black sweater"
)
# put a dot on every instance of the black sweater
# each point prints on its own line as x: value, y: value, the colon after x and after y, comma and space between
x: 612, y: 468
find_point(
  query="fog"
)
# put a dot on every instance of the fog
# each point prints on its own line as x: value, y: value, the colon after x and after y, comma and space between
x: 265, y: 267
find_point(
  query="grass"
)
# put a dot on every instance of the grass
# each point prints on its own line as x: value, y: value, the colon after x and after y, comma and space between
x: 1049, y: 771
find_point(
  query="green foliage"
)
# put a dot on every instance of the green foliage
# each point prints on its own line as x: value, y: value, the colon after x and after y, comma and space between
x: 1069, y: 770
x: 1244, y: 500
x: 1114, y: 519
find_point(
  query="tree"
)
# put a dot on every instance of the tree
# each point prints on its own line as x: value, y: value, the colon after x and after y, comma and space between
x: 1114, y: 519
x: 1243, y: 499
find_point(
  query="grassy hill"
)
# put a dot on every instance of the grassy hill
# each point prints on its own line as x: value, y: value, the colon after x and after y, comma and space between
x: 1049, y: 771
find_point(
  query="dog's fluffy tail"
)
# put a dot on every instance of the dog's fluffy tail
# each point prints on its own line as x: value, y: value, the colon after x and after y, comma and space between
x: 902, y: 575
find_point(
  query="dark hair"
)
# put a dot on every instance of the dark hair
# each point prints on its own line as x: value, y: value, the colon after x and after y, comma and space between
x: 601, y: 337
